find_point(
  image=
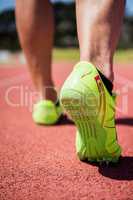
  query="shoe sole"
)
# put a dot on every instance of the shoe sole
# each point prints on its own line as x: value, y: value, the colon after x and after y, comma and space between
x: 85, y: 116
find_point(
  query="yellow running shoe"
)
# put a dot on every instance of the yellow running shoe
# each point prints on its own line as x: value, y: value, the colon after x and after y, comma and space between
x: 90, y: 105
x: 46, y: 112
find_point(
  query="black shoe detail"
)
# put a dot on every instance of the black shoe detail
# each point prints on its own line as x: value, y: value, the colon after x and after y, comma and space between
x: 108, y: 84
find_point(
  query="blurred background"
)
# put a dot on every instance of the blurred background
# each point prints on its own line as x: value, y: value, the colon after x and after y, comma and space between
x: 65, y: 42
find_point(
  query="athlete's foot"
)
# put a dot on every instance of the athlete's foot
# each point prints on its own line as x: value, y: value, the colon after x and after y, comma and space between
x: 87, y: 97
x: 47, y: 111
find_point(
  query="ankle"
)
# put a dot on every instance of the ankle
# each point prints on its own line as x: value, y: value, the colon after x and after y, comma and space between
x: 47, y: 91
x: 105, y: 64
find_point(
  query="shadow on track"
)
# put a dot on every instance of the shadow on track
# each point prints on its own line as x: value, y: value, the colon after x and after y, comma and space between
x: 64, y: 120
x: 123, y: 170
x: 125, y: 121
x: 120, y: 171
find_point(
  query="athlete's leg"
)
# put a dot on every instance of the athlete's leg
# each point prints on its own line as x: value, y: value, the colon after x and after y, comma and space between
x: 99, y: 24
x: 84, y: 94
x: 35, y: 27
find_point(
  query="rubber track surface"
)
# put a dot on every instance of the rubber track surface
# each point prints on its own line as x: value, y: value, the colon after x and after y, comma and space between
x: 39, y: 163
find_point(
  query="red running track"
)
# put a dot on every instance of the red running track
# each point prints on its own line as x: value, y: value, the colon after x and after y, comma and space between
x: 39, y: 163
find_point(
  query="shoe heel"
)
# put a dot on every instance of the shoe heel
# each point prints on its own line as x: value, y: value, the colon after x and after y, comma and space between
x: 79, y: 106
